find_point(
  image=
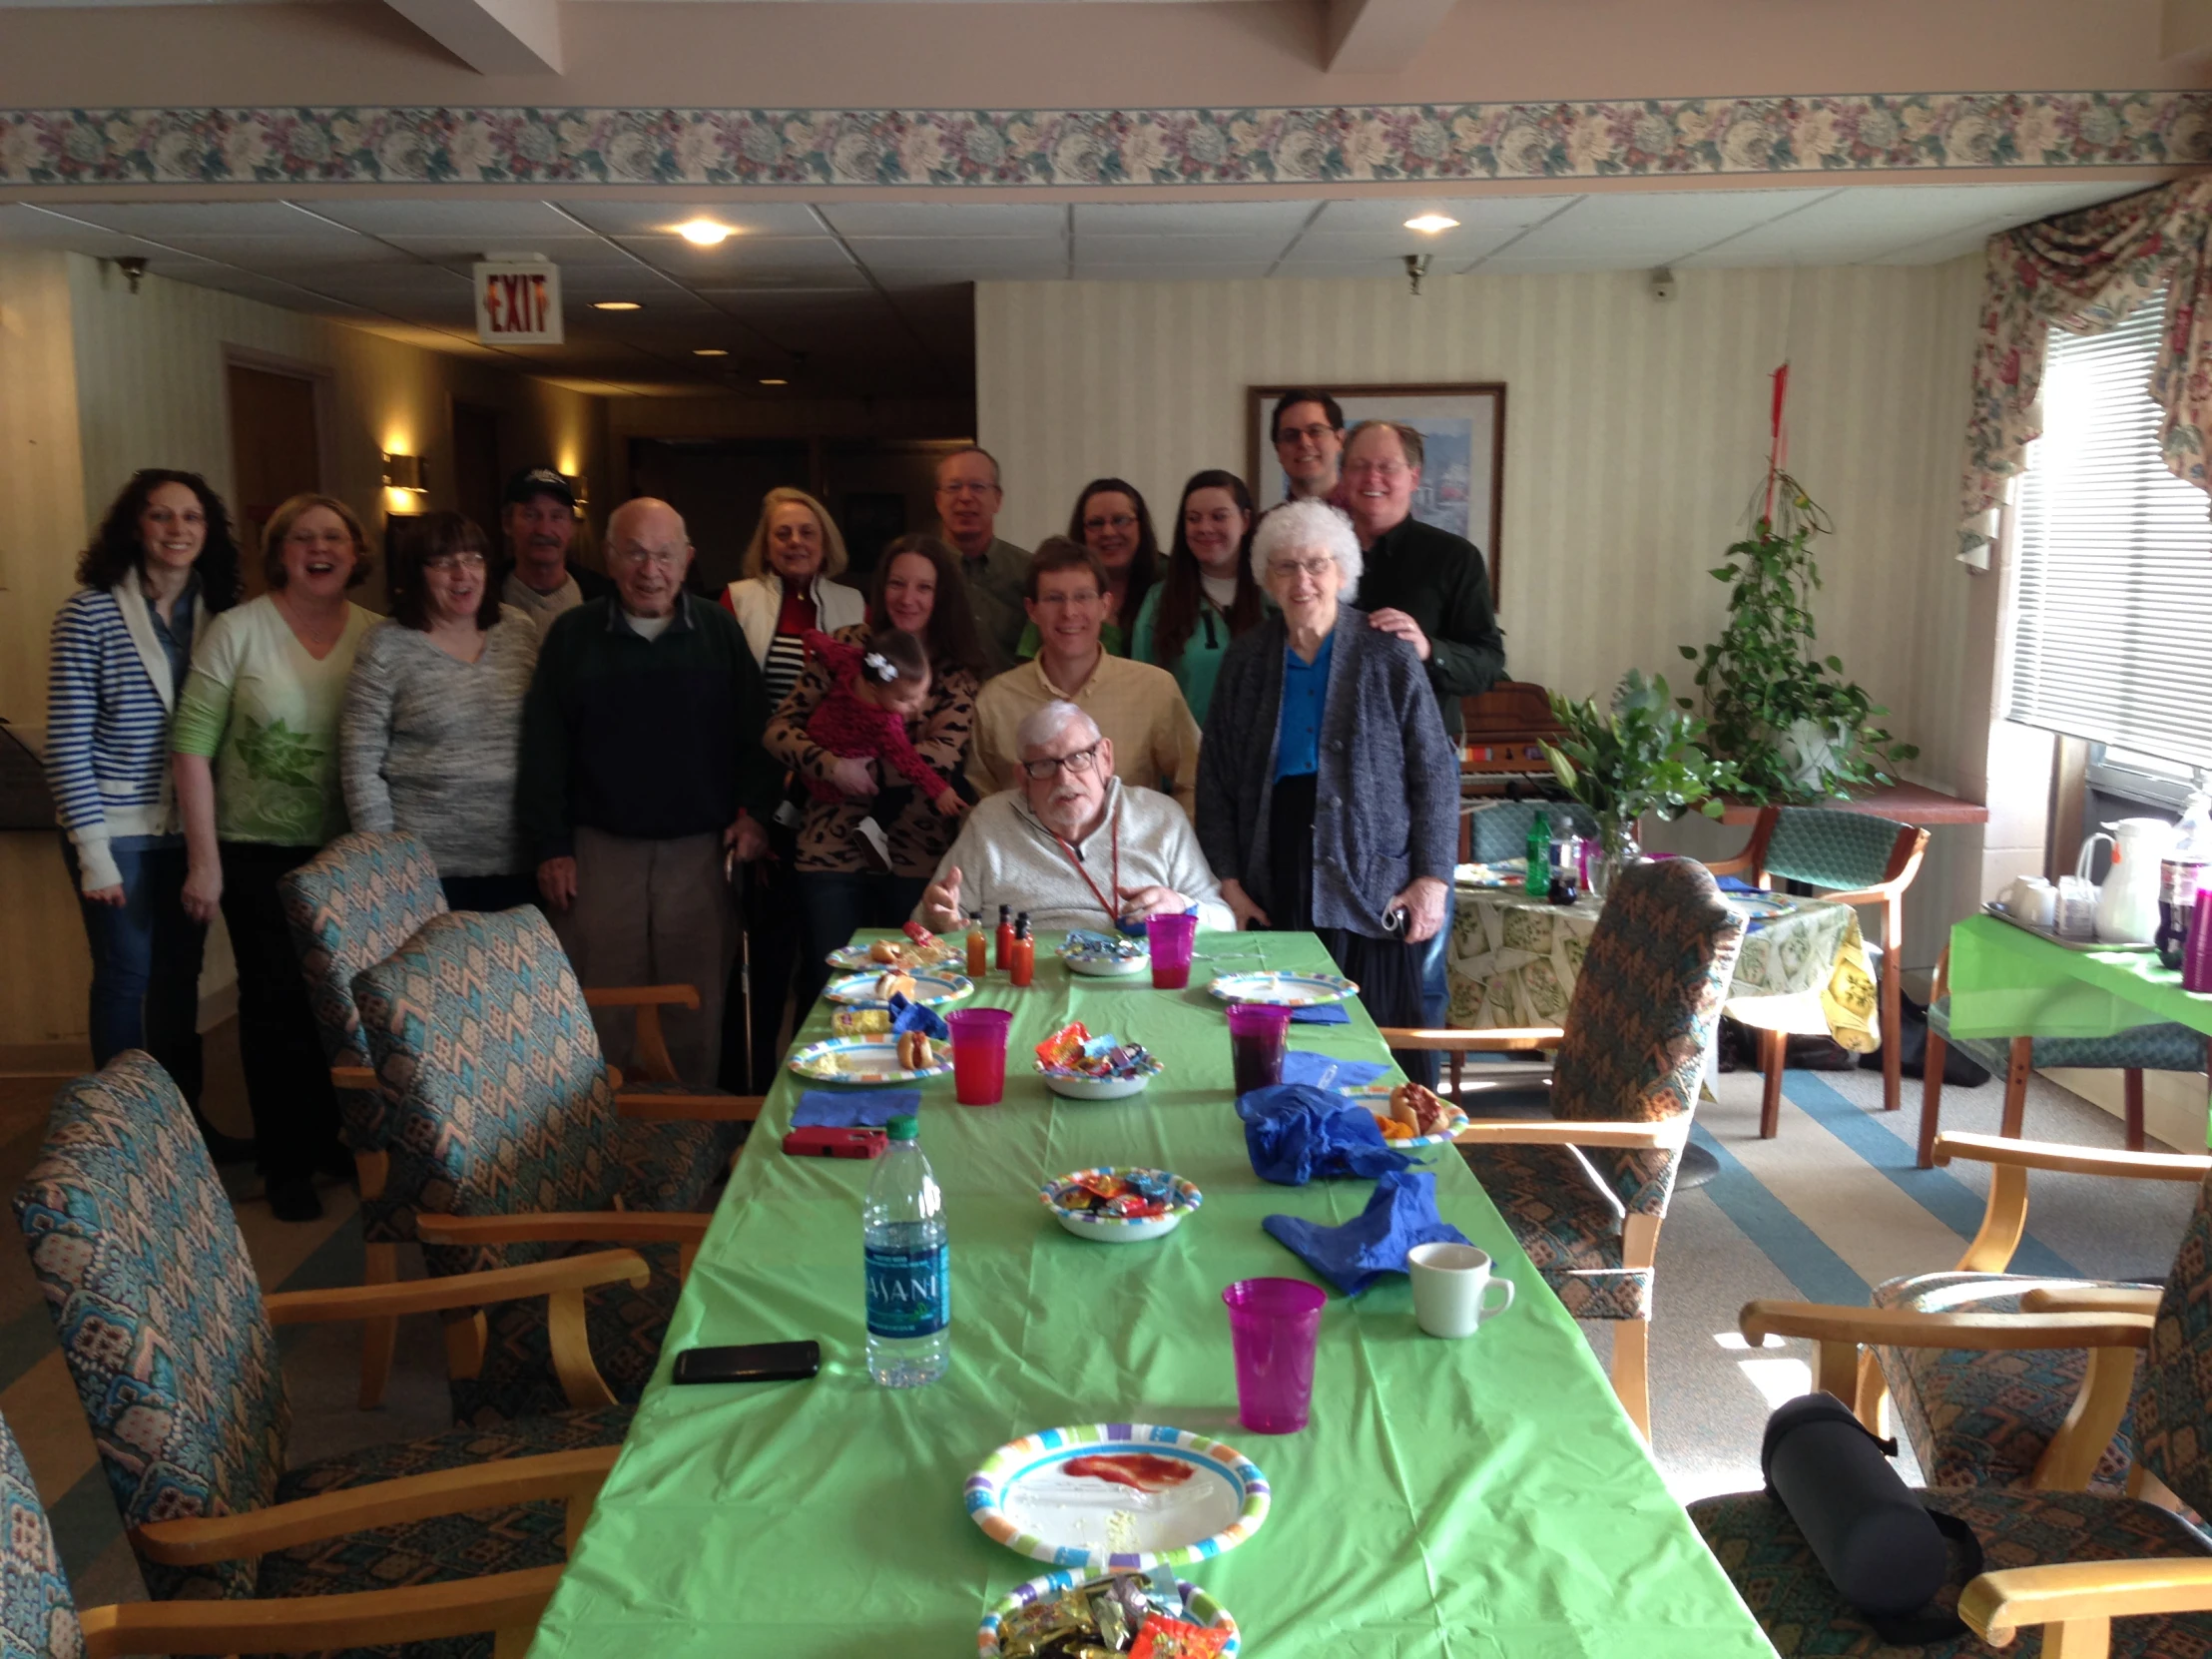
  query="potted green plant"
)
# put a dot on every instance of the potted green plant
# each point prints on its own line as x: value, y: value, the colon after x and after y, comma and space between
x: 1794, y: 727
x: 1639, y: 756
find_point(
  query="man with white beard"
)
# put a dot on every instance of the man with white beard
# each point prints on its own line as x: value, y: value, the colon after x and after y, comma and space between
x: 1070, y: 845
x: 539, y: 522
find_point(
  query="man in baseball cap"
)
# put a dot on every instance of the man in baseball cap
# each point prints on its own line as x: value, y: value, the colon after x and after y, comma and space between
x: 539, y: 520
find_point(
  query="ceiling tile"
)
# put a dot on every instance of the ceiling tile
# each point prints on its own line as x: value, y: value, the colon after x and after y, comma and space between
x: 1367, y: 214
x: 24, y: 226
x: 276, y: 253
x: 946, y: 219
x: 749, y: 218
x: 979, y: 257
x: 1190, y: 218
x: 470, y: 220
x: 1453, y: 248
x: 1168, y: 267
x: 162, y: 220
x: 1650, y: 228
x: 570, y: 250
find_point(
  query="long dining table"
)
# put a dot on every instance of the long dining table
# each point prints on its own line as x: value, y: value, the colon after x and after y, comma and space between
x: 1476, y: 1497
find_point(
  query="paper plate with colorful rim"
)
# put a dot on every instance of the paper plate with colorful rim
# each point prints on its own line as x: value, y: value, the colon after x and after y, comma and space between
x: 862, y: 1060
x: 1290, y: 991
x: 1118, y: 1496
x: 1105, y: 965
x: 1375, y: 1097
x: 932, y: 988
x: 851, y: 959
x: 1183, y: 1198
x: 1199, y: 1608
x: 1760, y: 906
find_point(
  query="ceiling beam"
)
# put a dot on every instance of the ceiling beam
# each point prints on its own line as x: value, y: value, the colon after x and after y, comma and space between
x: 2185, y: 30
x: 493, y: 37
x: 1384, y: 35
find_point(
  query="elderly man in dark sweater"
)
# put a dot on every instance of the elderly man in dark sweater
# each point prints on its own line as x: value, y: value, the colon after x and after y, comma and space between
x: 642, y: 767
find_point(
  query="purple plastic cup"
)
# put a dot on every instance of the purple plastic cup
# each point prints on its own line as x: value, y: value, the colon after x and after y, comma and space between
x: 1258, y: 1032
x: 979, y: 1055
x: 1170, y: 938
x: 2196, y: 954
x: 1274, y: 1326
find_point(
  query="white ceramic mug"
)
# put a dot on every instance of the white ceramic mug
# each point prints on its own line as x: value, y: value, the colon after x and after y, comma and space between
x: 1452, y: 1283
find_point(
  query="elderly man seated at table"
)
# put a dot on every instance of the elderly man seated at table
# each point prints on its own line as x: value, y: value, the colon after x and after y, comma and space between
x: 1069, y: 844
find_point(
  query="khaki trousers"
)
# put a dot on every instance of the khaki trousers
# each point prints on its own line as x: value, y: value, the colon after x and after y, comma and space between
x: 654, y: 913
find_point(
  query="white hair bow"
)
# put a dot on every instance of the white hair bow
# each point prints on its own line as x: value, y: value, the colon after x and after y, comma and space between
x: 884, y: 669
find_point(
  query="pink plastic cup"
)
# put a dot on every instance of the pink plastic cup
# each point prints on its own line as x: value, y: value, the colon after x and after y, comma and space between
x: 1258, y: 1032
x: 979, y: 1055
x: 1170, y: 938
x: 1273, y: 1325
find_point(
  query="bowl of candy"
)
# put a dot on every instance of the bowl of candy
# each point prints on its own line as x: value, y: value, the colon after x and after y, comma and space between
x: 1081, y: 1066
x: 1105, y: 956
x: 1072, y: 1612
x: 1120, y: 1205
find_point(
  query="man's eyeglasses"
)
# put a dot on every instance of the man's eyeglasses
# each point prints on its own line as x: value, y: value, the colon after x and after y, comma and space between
x: 1290, y: 434
x: 449, y: 562
x: 1079, y: 763
x: 1120, y: 521
x: 668, y: 558
x: 964, y: 486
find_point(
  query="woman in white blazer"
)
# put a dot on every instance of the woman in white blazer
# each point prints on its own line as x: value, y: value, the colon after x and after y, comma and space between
x: 786, y: 590
x: 163, y: 563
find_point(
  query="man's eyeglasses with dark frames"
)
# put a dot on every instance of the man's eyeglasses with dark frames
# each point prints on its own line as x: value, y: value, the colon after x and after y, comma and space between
x: 1079, y: 763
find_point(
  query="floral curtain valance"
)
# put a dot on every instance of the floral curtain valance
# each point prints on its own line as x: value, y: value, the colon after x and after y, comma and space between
x: 2084, y: 272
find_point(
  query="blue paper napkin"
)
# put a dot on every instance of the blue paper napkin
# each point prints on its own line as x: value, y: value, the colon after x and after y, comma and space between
x: 1400, y: 1214
x: 1319, y: 1013
x: 913, y: 1016
x: 1293, y: 1134
x: 847, y: 1109
x: 1300, y: 1066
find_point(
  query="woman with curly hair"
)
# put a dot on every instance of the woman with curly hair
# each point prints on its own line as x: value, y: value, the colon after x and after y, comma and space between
x: 162, y: 564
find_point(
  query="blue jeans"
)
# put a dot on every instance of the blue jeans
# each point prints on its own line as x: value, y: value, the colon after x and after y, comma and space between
x: 1436, y: 992
x: 146, y: 965
x: 832, y: 904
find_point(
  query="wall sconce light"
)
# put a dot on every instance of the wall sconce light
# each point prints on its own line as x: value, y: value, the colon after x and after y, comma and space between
x: 406, y: 472
x: 580, y: 487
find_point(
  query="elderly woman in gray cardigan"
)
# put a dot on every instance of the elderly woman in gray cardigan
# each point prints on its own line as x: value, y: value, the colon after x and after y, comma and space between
x: 1328, y: 791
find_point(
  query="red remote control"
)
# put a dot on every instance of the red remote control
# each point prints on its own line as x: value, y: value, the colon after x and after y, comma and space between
x: 828, y: 1141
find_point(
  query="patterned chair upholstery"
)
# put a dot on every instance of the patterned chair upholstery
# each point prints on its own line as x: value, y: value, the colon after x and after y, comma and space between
x: 38, y: 1616
x: 161, y: 1322
x: 501, y: 1106
x: 1499, y: 829
x: 1842, y: 851
x: 1787, y: 1590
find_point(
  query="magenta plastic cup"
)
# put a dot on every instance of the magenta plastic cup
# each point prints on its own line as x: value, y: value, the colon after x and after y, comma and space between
x: 1257, y: 1033
x: 1273, y: 1325
x: 979, y: 1055
x: 1170, y: 938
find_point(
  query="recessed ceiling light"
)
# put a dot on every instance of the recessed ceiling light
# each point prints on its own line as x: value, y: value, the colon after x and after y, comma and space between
x: 708, y: 351
x: 1429, y: 225
x: 703, y: 233
x: 770, y: 380
x: 615, y: 306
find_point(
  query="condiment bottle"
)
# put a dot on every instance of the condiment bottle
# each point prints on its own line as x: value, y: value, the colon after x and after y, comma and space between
x: 1006, y: 935
x: 1024, y: 953
x: 978, y: 946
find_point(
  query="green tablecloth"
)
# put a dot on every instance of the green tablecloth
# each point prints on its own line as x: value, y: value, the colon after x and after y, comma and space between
x: 1480, y: 1497
x: 2006, y: 983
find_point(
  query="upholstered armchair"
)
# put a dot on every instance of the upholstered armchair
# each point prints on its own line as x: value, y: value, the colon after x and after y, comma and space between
x: 2095, y: 1573
x: 172, y: 1350
x: 1586, y: 1192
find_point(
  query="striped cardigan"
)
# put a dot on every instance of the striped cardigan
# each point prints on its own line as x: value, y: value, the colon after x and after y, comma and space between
x: 109, y: 701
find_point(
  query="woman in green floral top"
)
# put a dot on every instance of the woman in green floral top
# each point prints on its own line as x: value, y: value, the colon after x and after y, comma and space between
x: 256, y: 757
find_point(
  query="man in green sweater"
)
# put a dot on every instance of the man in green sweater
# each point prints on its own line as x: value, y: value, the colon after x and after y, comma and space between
x: 642, y: 772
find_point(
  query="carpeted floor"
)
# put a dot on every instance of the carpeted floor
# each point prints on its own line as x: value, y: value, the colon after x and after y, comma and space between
x: 1829, y: 1207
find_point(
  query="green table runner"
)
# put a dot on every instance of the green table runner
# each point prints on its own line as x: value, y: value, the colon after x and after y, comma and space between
x: 1479, y: 1497
x: 2006, y: 983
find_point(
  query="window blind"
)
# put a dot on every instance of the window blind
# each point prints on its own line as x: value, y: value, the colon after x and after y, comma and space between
x: 2112, y: 629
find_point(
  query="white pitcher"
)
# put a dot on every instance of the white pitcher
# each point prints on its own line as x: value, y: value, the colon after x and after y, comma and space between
x: 2127, y: 903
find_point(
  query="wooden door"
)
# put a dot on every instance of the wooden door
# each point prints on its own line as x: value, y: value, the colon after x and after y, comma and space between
x: 276, y: 453
x: 476, y: 481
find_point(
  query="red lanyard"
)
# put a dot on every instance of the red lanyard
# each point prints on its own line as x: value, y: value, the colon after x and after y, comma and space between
x: 1113, y: 911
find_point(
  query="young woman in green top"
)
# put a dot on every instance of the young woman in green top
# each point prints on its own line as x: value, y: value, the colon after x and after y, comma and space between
x: 256, y: 741
x: 1208, y: 596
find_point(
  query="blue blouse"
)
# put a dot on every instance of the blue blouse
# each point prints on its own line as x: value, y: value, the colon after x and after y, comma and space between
x: 1305, y: 695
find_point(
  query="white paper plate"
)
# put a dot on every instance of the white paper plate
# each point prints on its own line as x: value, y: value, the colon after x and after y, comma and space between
x: 1288, y: 990
x: 852, y: 958
x: 1098, y: 1088
x: 1027, y: 1498
x: 1184, y: 1198
x: 862, y: 1060
x: 932, y: 989
x: 1099, y: 966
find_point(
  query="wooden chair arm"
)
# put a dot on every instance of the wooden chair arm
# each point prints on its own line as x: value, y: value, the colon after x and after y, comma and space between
x: 1452, y: 1039
x: 2092, y: 1299
x: 508, y: 1603
x: 1909, y: 1327
x: 1663, y: 1133
x: 458, y: 1291
x: 566, y: 1227
x: 361, y: 1078
x: 689, y: 1108
x: 1997, y: 1604
x: 198, y: 1539
x: 641, y: 996
x: 2077, y: 1159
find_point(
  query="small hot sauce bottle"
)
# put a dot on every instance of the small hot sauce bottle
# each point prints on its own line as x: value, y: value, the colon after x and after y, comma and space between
x: 1024, y: 964
x: 978, y: 946
x: 1006, y: 935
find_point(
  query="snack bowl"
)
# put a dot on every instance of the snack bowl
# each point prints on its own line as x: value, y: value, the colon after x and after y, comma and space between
x: 1199, y: 1608
x: 1074, y: 1085
x: 1101, y: 965
x: 1183, y: 1198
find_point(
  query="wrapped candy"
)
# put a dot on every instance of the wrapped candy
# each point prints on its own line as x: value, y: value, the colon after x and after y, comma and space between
x: 1074, y: 1052
x: 1103, y: 1619
x: 1064, y: 1046
x: 1083, y: 942
x: 1166, y: 1638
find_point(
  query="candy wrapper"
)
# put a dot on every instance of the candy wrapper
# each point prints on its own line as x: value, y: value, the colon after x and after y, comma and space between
x: 1064, y: 1046
x: 1073, y: 1051
x: 1083, y: 942
x: 1140, y: 1195
x: 913, y: 1016
x: 1165, y: 1638
x: 1104, y: 1617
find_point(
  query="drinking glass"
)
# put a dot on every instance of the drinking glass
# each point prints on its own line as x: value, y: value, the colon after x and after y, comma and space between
x: 979, y: 1055
x: 1275, y: 1327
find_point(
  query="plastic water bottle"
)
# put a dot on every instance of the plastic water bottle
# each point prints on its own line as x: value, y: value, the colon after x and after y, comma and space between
x: 909, y: 1267
x: 2187, y: 862
x: 1538, y: 883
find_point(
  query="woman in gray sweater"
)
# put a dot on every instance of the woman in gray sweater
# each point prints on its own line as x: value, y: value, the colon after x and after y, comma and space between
x: 430, y: 735
x: 1328, y: 791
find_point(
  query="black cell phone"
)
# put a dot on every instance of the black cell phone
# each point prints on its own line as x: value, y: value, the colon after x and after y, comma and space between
x: 751, y: 1363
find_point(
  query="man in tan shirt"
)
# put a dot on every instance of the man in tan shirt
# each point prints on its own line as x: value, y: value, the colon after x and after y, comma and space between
x: 1139, y: 708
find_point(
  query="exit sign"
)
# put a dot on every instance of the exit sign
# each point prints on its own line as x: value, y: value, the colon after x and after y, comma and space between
x: 519, y: 302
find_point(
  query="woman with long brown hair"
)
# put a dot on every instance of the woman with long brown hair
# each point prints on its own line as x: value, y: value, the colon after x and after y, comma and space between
x: 1209, y: 595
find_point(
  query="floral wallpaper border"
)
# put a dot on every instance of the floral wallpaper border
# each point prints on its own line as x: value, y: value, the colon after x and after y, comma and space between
x: 818, y: 148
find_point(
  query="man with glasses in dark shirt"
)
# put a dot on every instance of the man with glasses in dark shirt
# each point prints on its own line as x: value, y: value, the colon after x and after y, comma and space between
x: 1309, y: 432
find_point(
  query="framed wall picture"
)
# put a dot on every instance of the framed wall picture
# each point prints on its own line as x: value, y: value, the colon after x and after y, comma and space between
x: 1463, y: 430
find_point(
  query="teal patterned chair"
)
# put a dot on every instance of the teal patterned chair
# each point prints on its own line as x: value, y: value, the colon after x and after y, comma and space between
x: 504, y: 1127
x: 2090, y: 1574
x: 1585, y: 1192
x: 172, y: 1350
x: 357, y: 902
x: 1853, y: 858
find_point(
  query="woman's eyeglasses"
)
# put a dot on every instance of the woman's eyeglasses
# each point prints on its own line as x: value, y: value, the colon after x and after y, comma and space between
x: 1119, y: 522
x: 450, y: 562
x: 1079, y: 763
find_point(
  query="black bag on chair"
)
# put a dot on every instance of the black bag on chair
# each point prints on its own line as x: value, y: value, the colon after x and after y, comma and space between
x: 1958, y: 1071
x: 1881, y: 1547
